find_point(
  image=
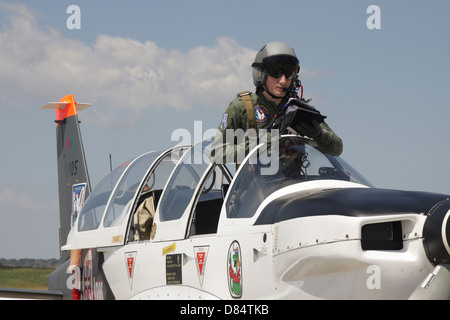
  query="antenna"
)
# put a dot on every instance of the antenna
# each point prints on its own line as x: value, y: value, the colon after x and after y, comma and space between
x: 110, y: 162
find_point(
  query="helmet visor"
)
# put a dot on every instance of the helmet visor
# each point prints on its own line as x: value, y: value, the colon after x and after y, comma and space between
x: 276, y: 70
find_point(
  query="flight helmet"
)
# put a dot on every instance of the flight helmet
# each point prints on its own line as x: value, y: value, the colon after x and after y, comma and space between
x: 274, y: 59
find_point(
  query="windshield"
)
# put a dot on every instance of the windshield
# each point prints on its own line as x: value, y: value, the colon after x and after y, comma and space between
x: 93, y: 209
x: 127, y: 188
x: 185, y: 179
x: 295, y: 162
x: 117, y: 191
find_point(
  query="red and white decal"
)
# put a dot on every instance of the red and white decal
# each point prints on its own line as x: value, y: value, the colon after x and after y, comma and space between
x: 201, y: 254
x: 130, y: 260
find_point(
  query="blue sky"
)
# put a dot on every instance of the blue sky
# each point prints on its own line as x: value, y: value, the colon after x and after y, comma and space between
x: 151, y: 67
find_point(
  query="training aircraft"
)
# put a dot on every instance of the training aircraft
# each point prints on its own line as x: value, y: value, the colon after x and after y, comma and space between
x: 171, y: 225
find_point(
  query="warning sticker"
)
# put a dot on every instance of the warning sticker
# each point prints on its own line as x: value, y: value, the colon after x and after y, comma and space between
x: 173, y: 268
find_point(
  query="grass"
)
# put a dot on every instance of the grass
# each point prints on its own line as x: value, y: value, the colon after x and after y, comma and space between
x: 24, y: 278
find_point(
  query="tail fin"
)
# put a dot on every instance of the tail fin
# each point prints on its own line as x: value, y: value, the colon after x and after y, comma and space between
x: 73, y: 178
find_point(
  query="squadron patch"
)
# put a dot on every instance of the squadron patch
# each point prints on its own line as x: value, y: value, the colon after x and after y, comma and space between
x: 224, y: 123
x: 261, y: 113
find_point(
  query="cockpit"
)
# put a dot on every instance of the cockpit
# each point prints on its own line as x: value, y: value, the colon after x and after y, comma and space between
x: 296, y: 161
x: 189, y: 193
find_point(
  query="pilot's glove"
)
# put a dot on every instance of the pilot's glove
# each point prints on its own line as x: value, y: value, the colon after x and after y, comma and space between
x: 322, y: 135
x: 311, y: 129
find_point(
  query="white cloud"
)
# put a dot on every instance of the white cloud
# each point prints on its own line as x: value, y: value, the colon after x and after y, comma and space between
x: 20, y: 201
x: 124, y: 74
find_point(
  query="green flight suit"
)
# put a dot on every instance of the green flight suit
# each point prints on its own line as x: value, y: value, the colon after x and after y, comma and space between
x: 235, y: 118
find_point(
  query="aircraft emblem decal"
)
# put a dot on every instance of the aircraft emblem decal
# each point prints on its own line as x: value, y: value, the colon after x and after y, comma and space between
x: 153, y: 231
x: 78, y: 195
x: 235, y: 270
x: 201, y: 254
x: 69, y: 143
x: 130, y: 260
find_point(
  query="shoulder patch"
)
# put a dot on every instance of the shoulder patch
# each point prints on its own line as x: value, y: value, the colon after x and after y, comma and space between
x: 224, y: 122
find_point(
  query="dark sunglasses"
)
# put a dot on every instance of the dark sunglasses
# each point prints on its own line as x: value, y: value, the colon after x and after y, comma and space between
x: 276, y: 70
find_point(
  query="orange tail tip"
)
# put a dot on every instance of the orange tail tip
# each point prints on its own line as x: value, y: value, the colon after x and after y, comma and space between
x: 66, y: 107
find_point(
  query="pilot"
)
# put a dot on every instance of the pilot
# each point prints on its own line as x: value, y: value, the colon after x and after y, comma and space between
x: 275, y: 75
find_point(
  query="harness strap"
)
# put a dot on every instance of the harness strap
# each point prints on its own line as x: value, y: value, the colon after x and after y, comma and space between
x: 245, y: 95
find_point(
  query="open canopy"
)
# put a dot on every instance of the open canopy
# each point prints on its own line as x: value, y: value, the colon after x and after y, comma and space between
x: 183, y: 178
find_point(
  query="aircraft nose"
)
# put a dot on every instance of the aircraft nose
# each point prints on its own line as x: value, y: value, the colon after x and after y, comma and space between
x: 436, y: 233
